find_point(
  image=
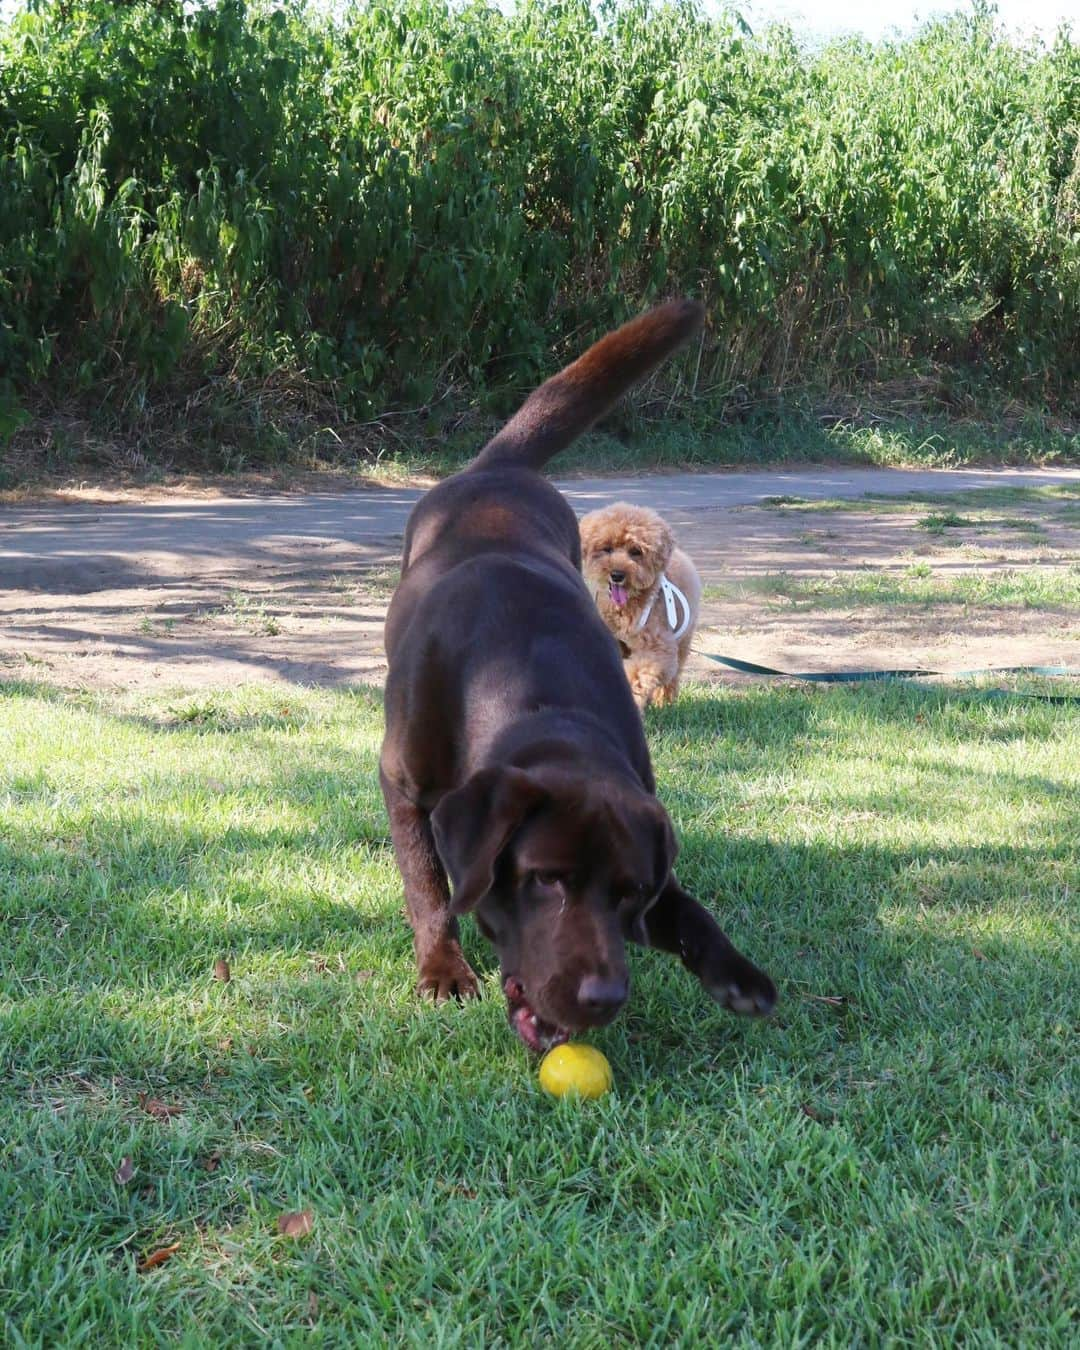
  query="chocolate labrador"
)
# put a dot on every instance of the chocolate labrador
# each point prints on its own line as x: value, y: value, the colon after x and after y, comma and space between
x: 514, y: 761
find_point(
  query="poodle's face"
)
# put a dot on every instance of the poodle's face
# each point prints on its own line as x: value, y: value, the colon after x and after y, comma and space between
x: 624, y: 548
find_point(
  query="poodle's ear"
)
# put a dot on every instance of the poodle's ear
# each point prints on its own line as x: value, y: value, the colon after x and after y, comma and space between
x: 665, y: 542
x: 655, y: 537
x: 591, y: 527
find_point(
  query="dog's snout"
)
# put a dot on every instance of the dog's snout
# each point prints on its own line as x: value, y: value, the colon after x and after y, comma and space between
x: 603, y: 995
x: 617, y: 577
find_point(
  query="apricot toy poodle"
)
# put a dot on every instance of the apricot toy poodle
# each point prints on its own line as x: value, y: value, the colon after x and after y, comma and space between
x: 648, y: 593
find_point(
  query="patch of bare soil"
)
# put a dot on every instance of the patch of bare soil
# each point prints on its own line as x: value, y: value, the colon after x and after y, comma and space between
x: 169, y: 611
x: 755, y: 545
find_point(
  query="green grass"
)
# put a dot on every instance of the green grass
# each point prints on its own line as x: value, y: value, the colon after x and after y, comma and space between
x: 1028, y: 588
x: 939, y: 521
x: 886, y: 1161
x: 248, y: 613
x: 1060, y: 500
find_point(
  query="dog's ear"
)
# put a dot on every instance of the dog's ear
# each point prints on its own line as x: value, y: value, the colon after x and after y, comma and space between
x: 473, y: 825
x: 665, y: 849
x: 665, y: 543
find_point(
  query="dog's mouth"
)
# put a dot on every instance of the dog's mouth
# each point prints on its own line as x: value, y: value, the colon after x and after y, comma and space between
x: 536, y: 1034
x: 618, y: 594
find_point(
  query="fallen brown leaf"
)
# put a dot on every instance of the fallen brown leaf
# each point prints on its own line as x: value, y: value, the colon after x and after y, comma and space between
x: 214, y: 1161
x: 362, y: 975
x: 312, y: 1305
x: 222, y: 971
x: 296, y: 1225
x: 809, y: 1111
x: 159, y: 1257
x: 124, y: 1172
x: 225, y: 1043
x: 154, y: 1106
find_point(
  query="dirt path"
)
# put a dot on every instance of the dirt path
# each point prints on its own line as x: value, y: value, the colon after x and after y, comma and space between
x: 183, y: 590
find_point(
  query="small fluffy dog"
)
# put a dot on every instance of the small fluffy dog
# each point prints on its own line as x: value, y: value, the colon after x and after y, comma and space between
x: 648, y: 593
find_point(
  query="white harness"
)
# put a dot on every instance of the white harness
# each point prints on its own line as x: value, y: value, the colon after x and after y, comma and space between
x: 671, y: 594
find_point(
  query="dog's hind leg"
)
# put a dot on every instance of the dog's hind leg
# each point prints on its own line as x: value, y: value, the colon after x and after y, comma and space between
x: 443, y: 971
x: 677, y: 923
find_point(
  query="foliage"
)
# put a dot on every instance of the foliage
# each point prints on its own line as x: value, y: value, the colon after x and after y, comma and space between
x: 412, y: 197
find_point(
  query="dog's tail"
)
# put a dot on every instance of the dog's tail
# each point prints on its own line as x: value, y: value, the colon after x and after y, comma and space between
x: 562, y: 408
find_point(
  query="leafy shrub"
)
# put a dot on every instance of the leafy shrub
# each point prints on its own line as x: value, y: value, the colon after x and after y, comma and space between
x: 413, y: 194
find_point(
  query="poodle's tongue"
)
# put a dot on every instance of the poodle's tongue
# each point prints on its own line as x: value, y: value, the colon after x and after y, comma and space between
x: 617, y: 593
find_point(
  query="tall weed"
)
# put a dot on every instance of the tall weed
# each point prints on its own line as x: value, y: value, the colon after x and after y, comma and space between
x: 413, y: 196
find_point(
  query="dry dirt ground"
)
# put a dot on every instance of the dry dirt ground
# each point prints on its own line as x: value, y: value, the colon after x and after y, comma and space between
x: 107, y: 598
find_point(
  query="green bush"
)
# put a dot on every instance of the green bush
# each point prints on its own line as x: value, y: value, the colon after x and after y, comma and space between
x: 415, y: 195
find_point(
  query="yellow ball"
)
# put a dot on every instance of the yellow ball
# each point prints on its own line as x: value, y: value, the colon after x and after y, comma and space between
x: 576, y: 1070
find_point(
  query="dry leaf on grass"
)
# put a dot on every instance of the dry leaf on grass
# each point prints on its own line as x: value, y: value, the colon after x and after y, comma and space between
x: 158, y: 1258
x: 325, y: 965
x: 362, y: 975
x: 154, y: 1106
x: 222, y: 971
x: 124, y: 1172
x: 296, y: 1225
x: 214, y: 1161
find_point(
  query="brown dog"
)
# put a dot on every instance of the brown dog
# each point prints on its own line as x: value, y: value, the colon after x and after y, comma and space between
x: 514, y: 758
x: 648, y: 593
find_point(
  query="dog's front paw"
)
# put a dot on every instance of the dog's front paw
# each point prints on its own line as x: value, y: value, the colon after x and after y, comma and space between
x: 665, y: 695
x: 737, y: 984
x: 446, y: 974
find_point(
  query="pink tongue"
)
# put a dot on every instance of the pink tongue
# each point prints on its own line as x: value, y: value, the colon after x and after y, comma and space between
x: 618, y: 594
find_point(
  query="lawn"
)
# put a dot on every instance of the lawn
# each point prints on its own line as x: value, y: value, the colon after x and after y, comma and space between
x: 887, y: 1161
x: 920, y: 584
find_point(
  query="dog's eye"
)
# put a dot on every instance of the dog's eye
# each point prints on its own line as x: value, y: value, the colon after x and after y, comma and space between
x: 607, y: 550
x: 548, y: 879
x: 634, y: 552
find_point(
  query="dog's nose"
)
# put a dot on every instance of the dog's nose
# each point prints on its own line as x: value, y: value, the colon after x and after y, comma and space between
x: 617, y: 577
x: 602, y: 995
